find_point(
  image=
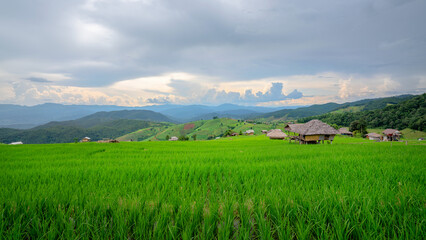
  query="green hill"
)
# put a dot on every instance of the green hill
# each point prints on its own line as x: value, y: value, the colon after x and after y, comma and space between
x: 407, y: 114
x: 318, y: 109
x: 203, y: 129
x: 104, y: 117
x: 67, y: 134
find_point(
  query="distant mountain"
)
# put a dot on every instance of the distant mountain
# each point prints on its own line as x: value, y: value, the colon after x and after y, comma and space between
x: 68, y: 134
x: 317, y: 109
x: 410, y: 113
x: 103, y: 117
x: 197, y: 112
x: 25, y: 117
x: 96, y: 126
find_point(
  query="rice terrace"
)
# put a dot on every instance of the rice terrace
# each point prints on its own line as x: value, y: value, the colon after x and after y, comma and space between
x: 247, y: 187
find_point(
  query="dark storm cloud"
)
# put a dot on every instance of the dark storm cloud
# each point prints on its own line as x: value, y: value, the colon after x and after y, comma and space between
x: 100, y: 42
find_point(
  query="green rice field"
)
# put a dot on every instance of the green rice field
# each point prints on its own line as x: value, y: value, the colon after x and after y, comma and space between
x: 232, y: 188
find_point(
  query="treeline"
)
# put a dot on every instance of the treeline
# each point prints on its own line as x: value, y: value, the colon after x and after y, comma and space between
x: 67, y: 134
x: 407, y: 114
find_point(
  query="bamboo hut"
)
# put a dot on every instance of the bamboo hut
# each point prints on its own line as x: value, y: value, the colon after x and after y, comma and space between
x: 174, y: 138
x: 314, y: 131
x: 276, y: 134
x: 374, y: 136
x: 391, y: 134
x: 346, y: 132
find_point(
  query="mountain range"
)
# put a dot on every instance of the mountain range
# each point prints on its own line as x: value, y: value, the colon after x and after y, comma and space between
x: 141, y: 124
x: 25, y: 117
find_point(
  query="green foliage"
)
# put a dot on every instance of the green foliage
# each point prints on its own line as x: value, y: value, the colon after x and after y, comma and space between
x: 227, y: 133
x: 167, y: 137
x: 194, y: 137
x: 67, y: 134
x: 407, y: 114
x: 247, y: 188
x: 358, y: 126
x: 183, y: 138
x: 318, y: 109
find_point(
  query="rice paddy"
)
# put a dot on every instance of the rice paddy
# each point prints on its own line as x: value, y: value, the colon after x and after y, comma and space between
x: 244, y: 188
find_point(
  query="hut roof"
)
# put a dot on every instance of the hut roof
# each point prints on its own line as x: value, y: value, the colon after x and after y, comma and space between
x: 374, y: 135
x: 294, y: 127
x: 344, y: 131
x: 313, y: 127
x: 250, y: 131
x: 276, y: 133
x: 390, y: 131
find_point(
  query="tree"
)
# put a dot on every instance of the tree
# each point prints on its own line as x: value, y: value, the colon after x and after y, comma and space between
x: 359, y: 126
x: 183, y: 138
x: 215, y: 117
x: 227, y: 133
x: 167, y: 137
x: 194, y: 136
x: 241, y: 133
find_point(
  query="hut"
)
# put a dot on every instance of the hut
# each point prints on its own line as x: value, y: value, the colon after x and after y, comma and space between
x: 85, y: 139
x: 249, y: 132
x: 234, y: 134
x: 391, y: 134
x: 276, y: 134
x: 264, y: 131
x: 374, y: 136
x: 16, y: 143
x: 345, y: 132
x: 174, y: 138
x: 313, y: 131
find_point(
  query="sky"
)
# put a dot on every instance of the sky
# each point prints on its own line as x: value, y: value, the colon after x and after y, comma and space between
x: 252, y: 52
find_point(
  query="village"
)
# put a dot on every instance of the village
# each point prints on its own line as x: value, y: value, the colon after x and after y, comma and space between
x: 312, y: 132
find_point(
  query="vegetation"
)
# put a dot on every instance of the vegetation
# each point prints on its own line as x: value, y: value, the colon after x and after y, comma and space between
x: 408, y: 114
x: 249, y: 187
x: 358, y: 126
x: 67, y: 134
x: 318, y: 109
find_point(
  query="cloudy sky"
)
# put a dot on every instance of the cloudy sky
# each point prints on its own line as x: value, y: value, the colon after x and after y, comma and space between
x: 253, y: 52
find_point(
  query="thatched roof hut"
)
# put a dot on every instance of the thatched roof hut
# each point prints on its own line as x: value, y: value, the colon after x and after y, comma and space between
x: 250, y: 132
x: 296, y: 128
x: 276, y: 134
x: 345, y: 131
x: 312, y: 131
x: 174, y: 138
x: 391, y: 134
x: 374, y: 136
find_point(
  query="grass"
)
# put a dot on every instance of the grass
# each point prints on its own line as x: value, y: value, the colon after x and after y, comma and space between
x: 247, y: 187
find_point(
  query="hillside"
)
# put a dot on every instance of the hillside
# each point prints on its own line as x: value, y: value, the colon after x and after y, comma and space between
x: 186, y: 113
x: 318, y: 109
x: 104, y: 117
x: 96, y: 126
x: 407, y: 114
x: 25, y: 117
x: 16, y: 116
x: 203, y: 129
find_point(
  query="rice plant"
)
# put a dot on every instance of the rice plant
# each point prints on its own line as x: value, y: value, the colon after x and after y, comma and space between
x: 244, y: 188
